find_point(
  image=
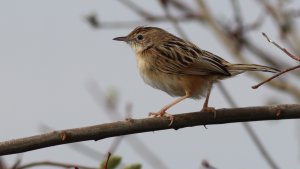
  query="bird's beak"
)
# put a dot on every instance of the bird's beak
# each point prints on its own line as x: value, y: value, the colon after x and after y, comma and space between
x: 124, y: 38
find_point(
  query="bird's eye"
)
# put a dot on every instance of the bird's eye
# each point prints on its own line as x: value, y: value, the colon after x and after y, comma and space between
x: 140, y: 37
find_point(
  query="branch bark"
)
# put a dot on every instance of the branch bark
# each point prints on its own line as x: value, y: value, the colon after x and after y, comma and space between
x: 131, y: 126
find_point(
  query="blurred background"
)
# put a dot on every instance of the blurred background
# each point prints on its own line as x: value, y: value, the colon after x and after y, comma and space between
x: 60, y: 69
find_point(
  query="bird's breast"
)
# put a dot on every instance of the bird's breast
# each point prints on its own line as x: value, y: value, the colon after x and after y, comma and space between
x: 173, y: 84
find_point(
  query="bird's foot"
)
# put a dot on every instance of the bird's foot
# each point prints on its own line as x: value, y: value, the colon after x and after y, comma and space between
x: 162, y: 113
x: 209, y: 109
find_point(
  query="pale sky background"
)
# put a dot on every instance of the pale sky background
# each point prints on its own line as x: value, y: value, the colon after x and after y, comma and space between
x: 49, y: 54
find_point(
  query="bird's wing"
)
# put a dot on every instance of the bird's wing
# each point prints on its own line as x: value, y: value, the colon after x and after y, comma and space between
x: 177, y: 57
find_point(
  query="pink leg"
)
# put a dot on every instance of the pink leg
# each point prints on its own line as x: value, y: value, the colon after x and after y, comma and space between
x: 163, y: 112
x: 205, y: 105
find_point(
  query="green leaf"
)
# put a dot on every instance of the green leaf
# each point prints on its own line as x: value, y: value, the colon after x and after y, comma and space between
x: 113, y: 162
x: 134, y: 166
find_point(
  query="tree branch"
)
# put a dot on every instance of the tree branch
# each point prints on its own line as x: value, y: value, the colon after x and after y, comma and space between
x: 131, y: 126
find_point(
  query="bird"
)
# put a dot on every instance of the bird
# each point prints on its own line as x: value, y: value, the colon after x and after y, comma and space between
x: 179, y: 67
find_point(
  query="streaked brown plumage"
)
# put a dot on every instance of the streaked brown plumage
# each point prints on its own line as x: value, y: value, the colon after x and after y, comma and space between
x: 179, y: 67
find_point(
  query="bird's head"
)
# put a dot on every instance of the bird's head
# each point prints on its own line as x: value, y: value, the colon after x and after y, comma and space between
x: 143, y: 38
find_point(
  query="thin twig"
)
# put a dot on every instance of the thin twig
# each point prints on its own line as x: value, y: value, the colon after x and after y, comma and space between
x: 132, y: 126
x: 115, y: 144
x: 181, y: 6
x: 173, y: 21
x: 294, y: 13
x: 138, y: 10
x: 207, y: 165
x: 226, y: 94
x: 297, y: 58
x: 156, y: 19
x: 147, y: 17
x: 92, y: 19
x: 53, y: 164
x: 17, y: 162
x: 237, y: 12
x: 274, y: 76
x: 106, y: 164
x: 256, y: 23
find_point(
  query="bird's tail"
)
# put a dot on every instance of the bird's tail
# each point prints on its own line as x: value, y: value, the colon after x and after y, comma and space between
x: 236, y: 69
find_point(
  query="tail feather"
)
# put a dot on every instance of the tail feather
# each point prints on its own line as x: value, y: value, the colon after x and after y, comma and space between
x: 235, y: 69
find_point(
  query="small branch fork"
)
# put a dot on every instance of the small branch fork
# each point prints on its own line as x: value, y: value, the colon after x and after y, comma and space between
x: 132, y: 126
x: 297, y: 58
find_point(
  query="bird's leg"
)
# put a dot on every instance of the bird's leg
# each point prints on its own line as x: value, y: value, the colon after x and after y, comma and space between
x: 205, y: 105
x: 163, y: 112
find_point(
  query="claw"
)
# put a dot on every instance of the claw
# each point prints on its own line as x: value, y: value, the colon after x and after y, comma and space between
x: 162, y: 114
x: 210, y: 109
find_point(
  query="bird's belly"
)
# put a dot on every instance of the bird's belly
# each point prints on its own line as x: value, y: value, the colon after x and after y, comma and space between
x: 165, y: 82
x: 176, y: 85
